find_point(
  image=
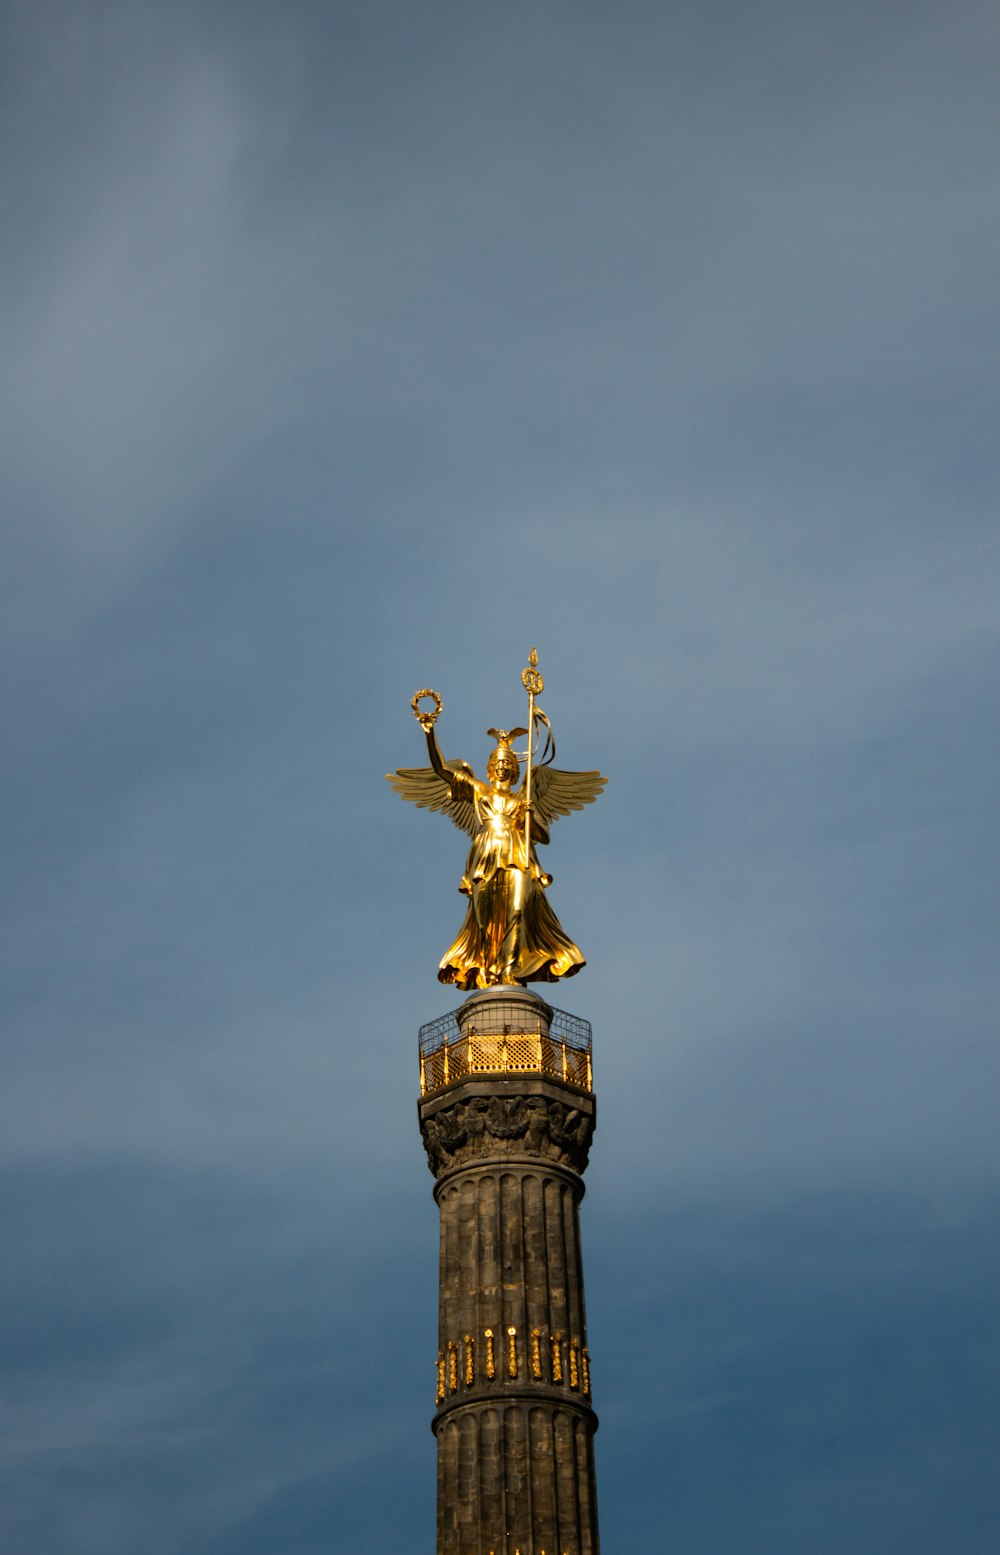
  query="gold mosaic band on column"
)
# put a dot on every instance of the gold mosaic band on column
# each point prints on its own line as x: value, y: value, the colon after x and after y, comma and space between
x: 576, y: 1372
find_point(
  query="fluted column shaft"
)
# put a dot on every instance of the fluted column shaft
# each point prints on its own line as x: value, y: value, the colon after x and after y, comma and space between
x: 514, y: 1422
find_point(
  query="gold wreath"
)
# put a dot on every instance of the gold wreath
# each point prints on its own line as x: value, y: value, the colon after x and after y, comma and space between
x: 531, y: 680
x: 418, y: 696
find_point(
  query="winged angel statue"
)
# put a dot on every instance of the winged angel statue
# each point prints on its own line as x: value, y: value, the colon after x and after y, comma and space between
x: 510, y: 934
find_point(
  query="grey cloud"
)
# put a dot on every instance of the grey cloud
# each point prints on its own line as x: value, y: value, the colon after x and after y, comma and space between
x: 347, y: 357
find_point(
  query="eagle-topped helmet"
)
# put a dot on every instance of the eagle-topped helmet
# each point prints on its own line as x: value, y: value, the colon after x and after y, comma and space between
x: 503, y: 758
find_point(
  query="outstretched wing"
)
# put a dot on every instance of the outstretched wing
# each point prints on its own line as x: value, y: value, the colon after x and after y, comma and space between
x: 422, y: 786
x: 555, y: 792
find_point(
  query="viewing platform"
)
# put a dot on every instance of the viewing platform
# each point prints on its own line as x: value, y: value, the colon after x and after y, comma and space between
x: 499, y: 1031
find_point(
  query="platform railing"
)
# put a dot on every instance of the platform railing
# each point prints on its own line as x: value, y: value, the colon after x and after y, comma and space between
x: 448, y: 1052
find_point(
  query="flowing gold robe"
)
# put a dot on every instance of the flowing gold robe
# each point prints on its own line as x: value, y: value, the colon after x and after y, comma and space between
x: 510, y: 933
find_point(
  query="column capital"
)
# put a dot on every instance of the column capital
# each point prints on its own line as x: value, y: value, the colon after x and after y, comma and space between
x: 493, y: 1121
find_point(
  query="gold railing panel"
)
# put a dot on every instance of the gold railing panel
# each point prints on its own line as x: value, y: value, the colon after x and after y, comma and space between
x: 515, y: 1052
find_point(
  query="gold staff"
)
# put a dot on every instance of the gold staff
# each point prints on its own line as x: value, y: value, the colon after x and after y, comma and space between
x: 531, y: 680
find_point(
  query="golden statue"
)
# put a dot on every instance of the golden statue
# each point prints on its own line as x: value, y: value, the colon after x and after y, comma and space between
x: 510, y: 934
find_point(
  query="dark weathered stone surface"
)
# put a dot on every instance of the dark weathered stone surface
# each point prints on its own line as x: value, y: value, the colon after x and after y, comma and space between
x: 514, y: 1476
x: 514, y: 1423
x: 514, y: 1116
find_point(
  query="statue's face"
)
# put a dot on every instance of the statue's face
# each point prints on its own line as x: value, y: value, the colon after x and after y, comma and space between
x: 503, y: 769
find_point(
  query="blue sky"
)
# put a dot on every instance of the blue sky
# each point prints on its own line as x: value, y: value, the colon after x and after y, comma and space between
x: 350, y: 349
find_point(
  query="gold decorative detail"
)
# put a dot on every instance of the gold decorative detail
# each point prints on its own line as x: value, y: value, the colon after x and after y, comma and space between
x: 452, y: 1366
x: 470, y: 1373
x: 536, y: 1355
x: 510, y: 934
x: 426, y: 720
x: 439, y: 1394
x: 555, y: 1345
x: 531, y: 675
x: 585, y: 1366
x: 574, y: 1368
x: 512, y: 1352
x: 516, y: 1052
x: 491, y: 1360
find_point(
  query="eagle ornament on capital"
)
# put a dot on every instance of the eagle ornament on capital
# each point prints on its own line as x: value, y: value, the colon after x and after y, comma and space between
x: 510, y: 935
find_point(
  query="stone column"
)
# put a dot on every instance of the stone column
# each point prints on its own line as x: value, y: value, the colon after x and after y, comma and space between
x: 514, y: 1423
